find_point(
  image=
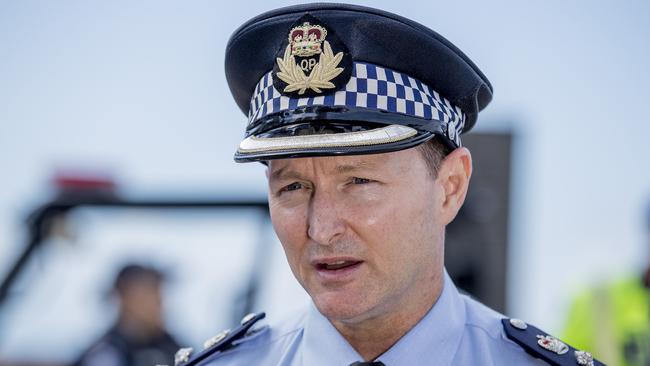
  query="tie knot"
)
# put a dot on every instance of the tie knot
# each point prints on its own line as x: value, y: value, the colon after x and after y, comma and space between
x: 372, y: 363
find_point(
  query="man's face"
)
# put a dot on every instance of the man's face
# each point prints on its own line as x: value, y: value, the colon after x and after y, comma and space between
x: 141, y: 299
x: 361, y: 233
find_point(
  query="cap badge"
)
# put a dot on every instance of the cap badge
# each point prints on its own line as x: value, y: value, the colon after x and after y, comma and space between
x: 305, y: 41
x: 308, y: 64
x: 552, y: 344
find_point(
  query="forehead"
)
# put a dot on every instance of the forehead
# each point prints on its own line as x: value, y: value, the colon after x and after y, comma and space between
x: 397, y: 162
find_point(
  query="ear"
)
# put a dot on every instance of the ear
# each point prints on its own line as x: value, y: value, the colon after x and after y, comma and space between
x: 453, y: 177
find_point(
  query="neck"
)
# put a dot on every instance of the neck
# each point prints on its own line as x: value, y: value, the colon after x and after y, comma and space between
x: 373, y: 336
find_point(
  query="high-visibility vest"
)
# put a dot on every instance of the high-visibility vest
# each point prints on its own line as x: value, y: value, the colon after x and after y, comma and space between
x: 613, y: 322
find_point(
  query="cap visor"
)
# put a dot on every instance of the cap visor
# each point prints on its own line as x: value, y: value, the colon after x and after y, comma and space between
x: 376, y: 141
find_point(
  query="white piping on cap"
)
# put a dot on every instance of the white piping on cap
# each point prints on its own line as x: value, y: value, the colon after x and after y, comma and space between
x: 383, y: 135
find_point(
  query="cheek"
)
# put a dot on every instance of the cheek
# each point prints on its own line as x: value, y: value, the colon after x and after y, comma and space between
x: 377, y: 223
x: 290, y: 225
x: 370, y: 209
x: 397, y: 228
x: 384, y: 214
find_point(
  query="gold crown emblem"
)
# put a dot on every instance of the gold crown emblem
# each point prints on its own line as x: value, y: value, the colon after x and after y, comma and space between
x: 306, y: 39
x: 308, y: 61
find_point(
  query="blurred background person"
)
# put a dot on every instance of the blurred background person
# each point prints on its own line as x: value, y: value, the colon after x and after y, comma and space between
x: 138, y: 336
x: 613, y: 318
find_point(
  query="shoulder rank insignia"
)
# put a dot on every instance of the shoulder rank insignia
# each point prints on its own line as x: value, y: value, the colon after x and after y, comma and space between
x: 220, y: 342
x: 541, y: 345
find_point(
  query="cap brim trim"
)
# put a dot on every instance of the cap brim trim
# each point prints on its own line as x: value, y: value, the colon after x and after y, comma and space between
x: 378, y: 136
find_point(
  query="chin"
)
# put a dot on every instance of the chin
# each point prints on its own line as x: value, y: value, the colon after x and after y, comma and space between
x: 341, y: 306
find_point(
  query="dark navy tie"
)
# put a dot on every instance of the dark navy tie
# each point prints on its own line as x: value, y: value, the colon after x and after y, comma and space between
x: 372, y: 363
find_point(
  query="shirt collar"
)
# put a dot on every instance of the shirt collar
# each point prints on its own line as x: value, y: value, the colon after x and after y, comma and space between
x: 323, y: 344
x: 439, y: 333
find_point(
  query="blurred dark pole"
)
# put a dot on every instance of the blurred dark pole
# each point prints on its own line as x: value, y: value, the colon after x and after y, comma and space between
x: 476, y: 244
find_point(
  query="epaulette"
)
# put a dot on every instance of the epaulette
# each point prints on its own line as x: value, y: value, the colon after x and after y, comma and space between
x: 541, y: 345
x: 220, y: 342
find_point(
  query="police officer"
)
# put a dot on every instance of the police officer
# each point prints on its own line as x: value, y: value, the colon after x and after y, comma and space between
x: 138, y: 337
x: 358, y: 114
x: 613, y: 317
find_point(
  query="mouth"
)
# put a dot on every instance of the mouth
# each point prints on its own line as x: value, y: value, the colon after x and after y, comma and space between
x: 336, y: 265
x: 337, y: 270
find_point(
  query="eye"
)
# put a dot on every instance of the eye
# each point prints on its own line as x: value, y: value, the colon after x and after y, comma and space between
x: 357, y: 180
x: 292, y: 187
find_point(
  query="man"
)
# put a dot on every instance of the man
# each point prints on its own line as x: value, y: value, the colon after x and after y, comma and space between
x: 138, y: 337
x: 357, y: 113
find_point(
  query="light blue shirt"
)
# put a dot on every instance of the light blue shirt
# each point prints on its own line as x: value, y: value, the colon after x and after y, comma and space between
x: 456, y: 331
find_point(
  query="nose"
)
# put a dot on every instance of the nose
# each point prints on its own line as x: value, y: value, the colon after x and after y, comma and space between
x: 325, y: 221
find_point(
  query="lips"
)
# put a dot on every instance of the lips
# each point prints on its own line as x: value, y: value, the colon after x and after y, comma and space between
x: 335, y: 265
x: 337, y: 271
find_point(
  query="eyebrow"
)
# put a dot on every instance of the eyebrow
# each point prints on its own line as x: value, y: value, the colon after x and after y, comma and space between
x: 283, y: 173
x: 348, y: 168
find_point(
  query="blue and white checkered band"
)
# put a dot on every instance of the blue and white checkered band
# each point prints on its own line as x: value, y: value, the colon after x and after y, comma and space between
x: 372, y: 87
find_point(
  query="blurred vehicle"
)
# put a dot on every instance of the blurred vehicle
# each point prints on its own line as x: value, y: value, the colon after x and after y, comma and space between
x: 54, y: 292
